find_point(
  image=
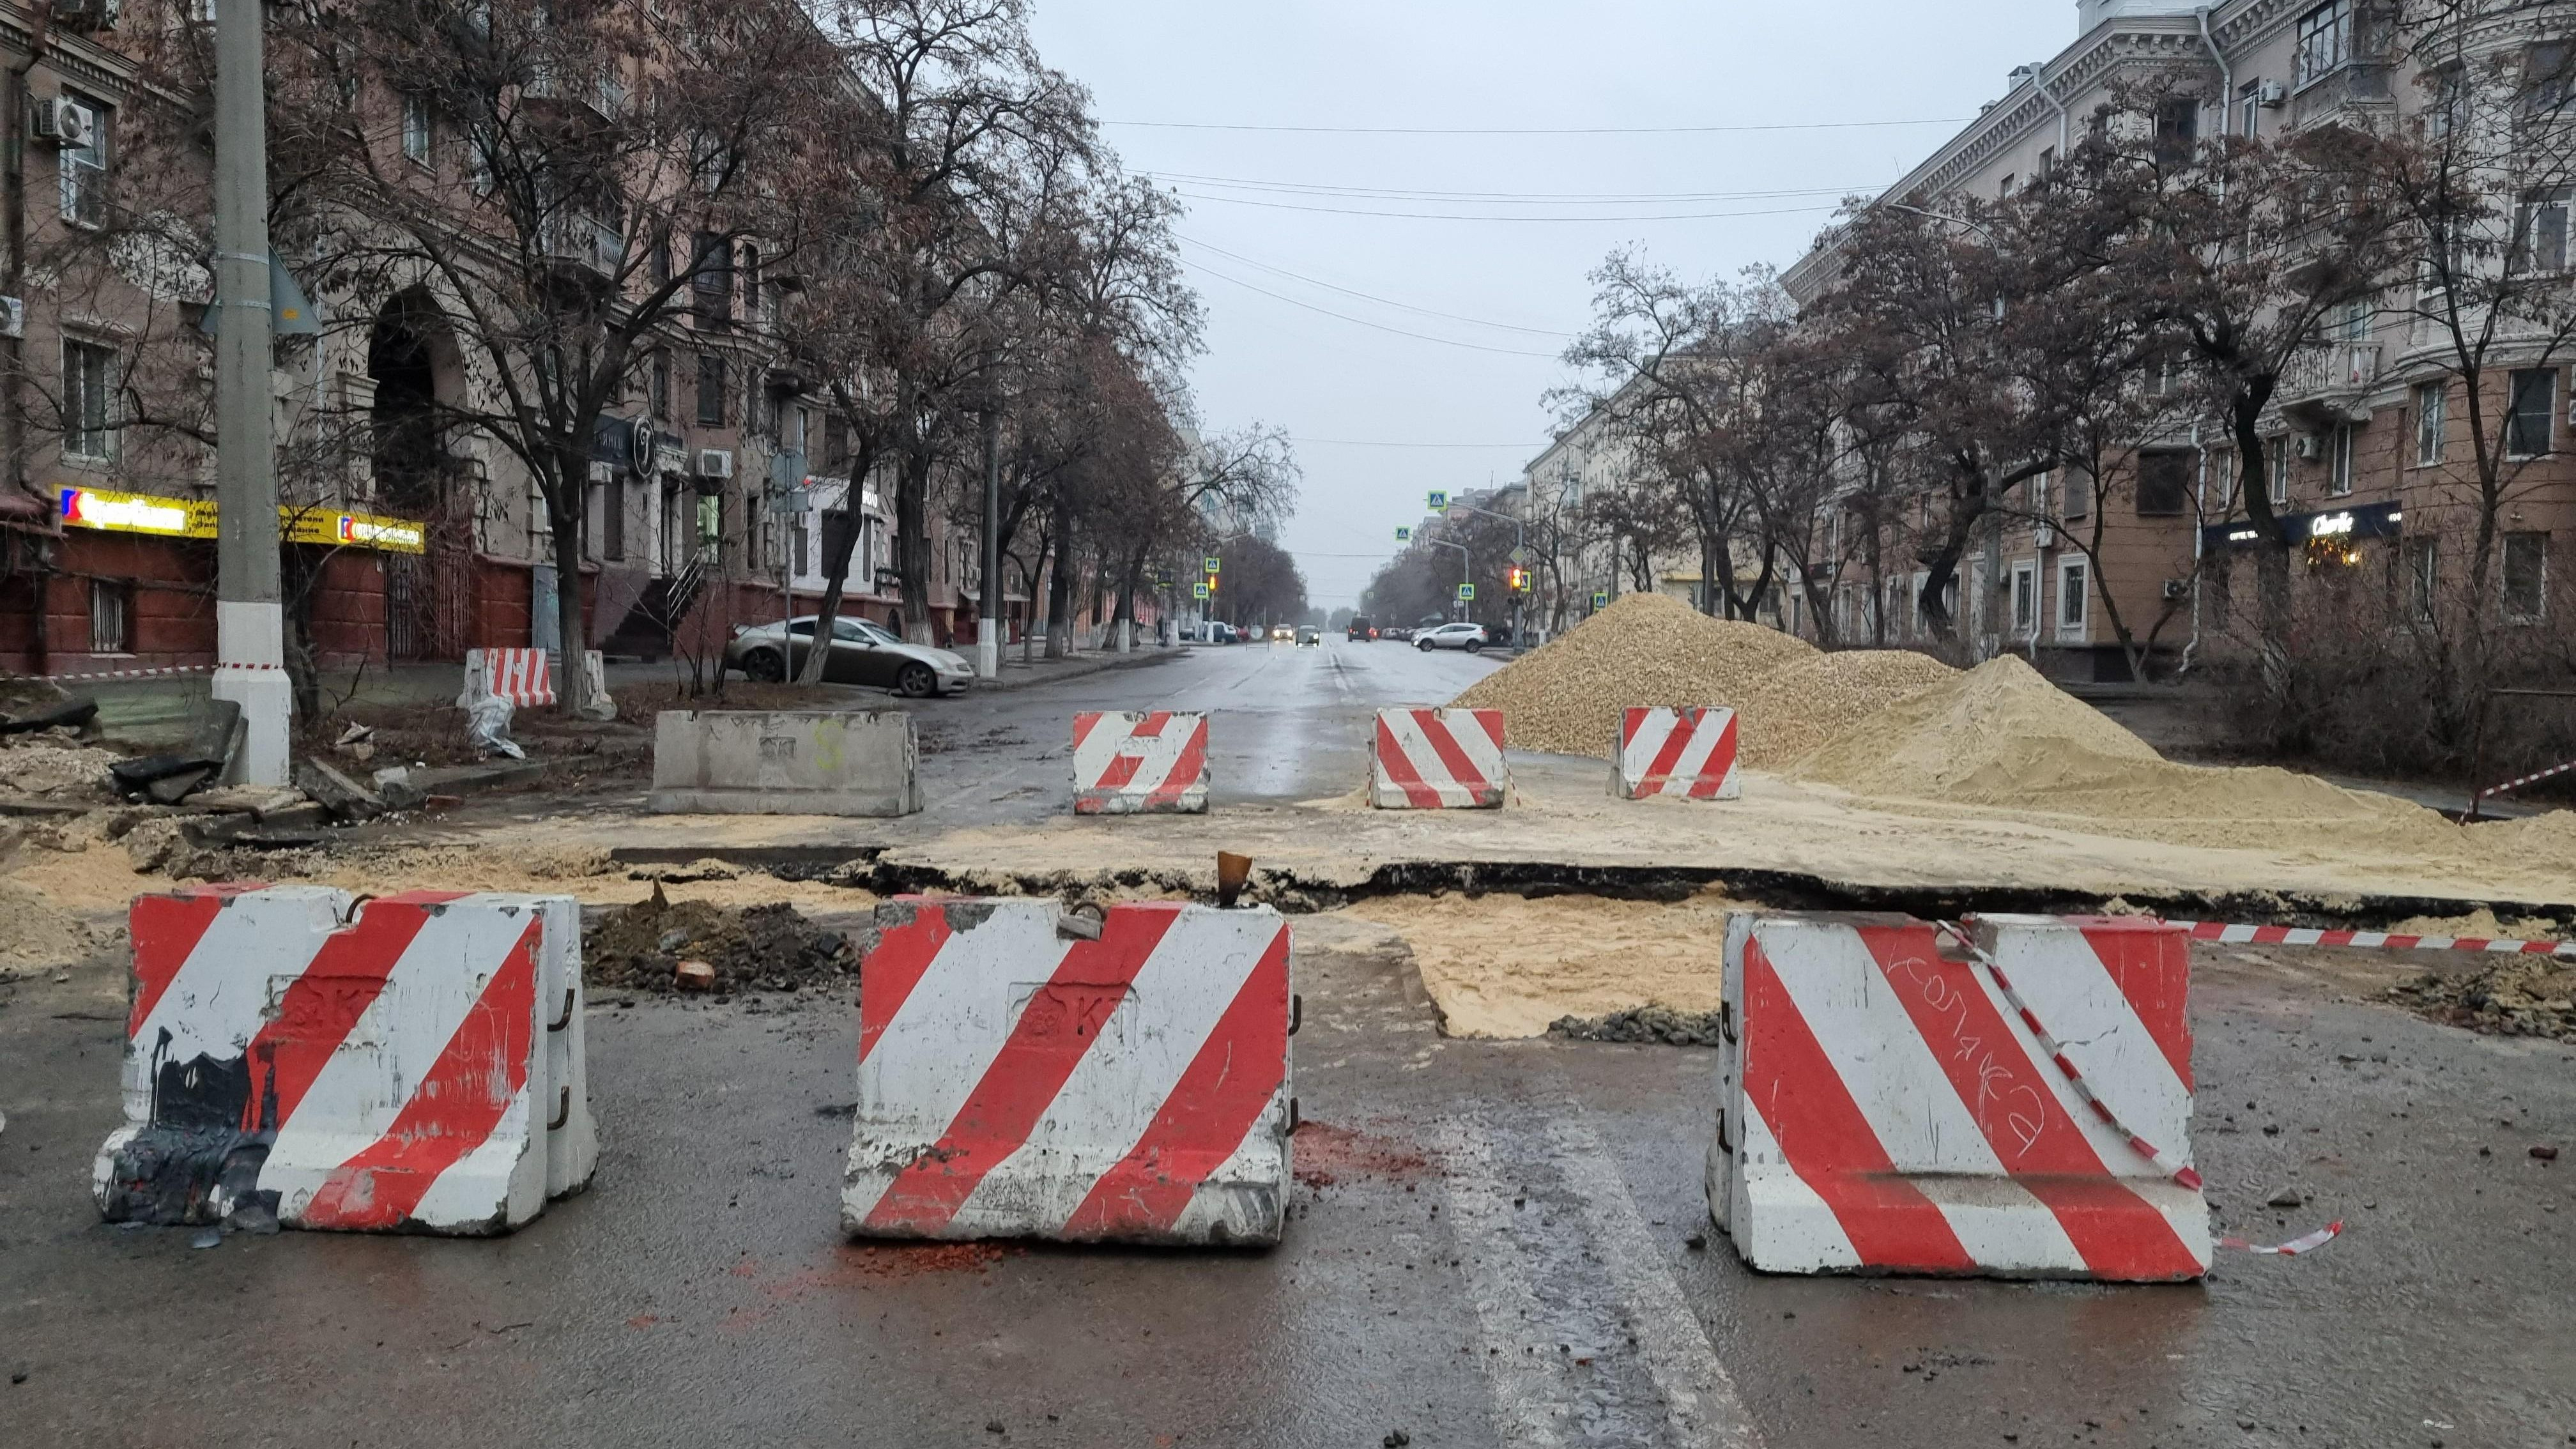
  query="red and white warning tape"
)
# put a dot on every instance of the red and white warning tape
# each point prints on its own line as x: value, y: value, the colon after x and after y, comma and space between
x: 2181, y: 1172
x: 2381, y: 940
x: 163, y: 672
x: 2307, y: 1243
x: 2511, y: 785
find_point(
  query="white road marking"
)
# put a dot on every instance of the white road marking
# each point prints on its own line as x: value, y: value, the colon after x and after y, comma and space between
x: 1699, y: 1397
x: 1522, y: 1382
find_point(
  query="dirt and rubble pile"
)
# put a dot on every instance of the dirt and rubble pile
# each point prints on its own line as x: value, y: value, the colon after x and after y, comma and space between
x: 1645, y: 649
x: 2520, y: 996
x: 1803, y: 705
x: 753, y: 948
x: 55, y: 765
x: 1654, y: 1024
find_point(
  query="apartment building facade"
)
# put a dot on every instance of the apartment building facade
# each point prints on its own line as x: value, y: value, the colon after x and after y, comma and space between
x: 2366, y: 434
x: 712, y: 488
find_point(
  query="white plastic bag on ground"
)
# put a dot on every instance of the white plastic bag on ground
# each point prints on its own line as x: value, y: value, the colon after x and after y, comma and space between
x: 487, y: 724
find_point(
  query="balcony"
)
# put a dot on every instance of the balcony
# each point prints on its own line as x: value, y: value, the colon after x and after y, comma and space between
x: 2356, y: 94
x: 583, y: 248
x: 2330, y: 382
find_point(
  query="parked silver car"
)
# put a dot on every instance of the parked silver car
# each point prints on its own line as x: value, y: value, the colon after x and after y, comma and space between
x: 1470, y: 637
x: 861, y: 653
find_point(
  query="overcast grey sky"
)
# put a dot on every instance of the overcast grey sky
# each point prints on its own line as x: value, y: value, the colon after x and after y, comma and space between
x: 1490, y: 64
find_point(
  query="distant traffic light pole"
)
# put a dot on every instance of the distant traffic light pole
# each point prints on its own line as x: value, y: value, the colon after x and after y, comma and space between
x: 1520, y: 548
x: 250, y: 627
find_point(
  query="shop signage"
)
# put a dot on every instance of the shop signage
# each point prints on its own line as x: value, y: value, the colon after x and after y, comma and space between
x: 152, y: 514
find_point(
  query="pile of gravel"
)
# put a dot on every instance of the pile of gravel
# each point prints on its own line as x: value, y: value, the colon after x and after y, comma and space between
x: 1644, y: 650
x: 1653, y: 1024
x: 1799, y: 707
x: 2526, y: 996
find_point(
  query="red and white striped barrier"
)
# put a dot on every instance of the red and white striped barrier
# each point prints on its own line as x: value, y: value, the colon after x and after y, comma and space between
x: 166, y: 671
x: 521, y: 676
x: 2509, y: 786
x: 1438, y: 759
x: 1687, y: 753
x: 2240, y: 935
x: 1140, y: 764
x: 1018, y: 1078
x: 410, y: 1063
x: 1889, y: 1106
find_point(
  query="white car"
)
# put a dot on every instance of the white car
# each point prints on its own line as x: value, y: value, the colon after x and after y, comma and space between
x: 1470, y: 637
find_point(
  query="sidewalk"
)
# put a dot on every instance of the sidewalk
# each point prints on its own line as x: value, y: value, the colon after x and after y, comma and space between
x: 1019, y: 674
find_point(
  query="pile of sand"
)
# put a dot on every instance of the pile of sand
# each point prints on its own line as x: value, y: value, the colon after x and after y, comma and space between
x: 2001, y: 736
x: 1645, y: 649
x: 41, y: 932
x: 1801, y: 706
x: 1503, y: 966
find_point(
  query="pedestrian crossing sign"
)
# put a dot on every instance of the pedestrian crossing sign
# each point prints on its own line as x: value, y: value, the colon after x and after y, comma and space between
x: 1438, y: 502
x: 1466, y: 593
x: 1601, y: 598
x: 1403, y: 534
x: 1198, y: 591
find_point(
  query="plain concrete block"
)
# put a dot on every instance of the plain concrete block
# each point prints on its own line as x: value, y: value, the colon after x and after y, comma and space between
x: 745, y: 762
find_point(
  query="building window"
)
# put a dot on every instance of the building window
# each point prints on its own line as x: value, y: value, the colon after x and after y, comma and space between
x: 751, y: 283
x: 2423, y: 573
x: 2526, y: 576
x: 2526, y: 426
x: 2177, y: 129
x: 2079, y: 494
x: 2025, y: 599
x: 2278, y: 490
x: 83, y: 168
x: 111, y: 617
x: 836, y: 445
x: 2546, y: 76
x: 2073, y: 600
x: 2340, y: 445
x: 711, y: 274
x: 2432, y: 401
x: 660, y: 384
x: 415, y: 129
x: 2325, y: 40
x: 2164, y: 484
x: 89, y: 385
x: 2249, y: 105
x: 711, y: 390
x: 2540, y: 232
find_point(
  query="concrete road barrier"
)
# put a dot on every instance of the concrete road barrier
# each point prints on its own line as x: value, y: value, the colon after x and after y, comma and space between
x: 1688, y: 754
x: 1885, y: 1106
x: 1024, y: 1073
x: 1438, y: 759
x: 406, y: 1064
x: 1140, y: 763
x: 742, y: 762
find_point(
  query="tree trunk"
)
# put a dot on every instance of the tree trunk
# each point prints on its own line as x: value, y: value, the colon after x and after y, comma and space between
x: 912, y: 544
x: 563, y: 509
x: 837, y: 553
x: 1060, y: 582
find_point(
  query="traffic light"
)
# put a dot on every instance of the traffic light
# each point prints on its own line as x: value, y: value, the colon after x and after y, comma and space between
x: 1516, y: 579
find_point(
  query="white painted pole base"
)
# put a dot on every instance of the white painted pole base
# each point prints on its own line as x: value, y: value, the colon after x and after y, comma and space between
x: 988, y: 648
x: 1126, y: 636
x: 250, y: 647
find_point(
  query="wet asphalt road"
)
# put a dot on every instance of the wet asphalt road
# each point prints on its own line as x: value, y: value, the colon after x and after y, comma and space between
x: 1492, y: 1243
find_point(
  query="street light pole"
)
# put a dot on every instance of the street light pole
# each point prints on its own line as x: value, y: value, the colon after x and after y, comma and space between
x: 250, y: 627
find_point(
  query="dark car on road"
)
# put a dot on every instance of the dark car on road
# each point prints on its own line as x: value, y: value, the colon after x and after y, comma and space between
x: 1360, y: 630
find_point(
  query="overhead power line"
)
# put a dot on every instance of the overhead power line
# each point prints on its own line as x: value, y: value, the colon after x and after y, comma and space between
x: 1332, y: 190
x: 1533, y: 130
x: 1453, y: 216
x: 1368, y: 443
x: 1365, y: 296
x: 1364, y: 322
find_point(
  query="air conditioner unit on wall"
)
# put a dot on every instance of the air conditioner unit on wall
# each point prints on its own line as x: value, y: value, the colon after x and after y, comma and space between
x: 2309, y: 447
x: 2043, y: 536
x: 64, y: 121
x: 2271, y: 94
x: 715, y: 463
x: 2175, y: 588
